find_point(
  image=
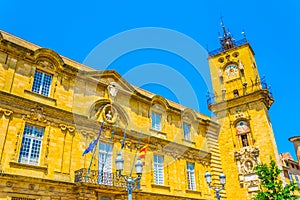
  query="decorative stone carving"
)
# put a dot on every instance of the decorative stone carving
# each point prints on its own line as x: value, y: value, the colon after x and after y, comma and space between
x: 45, y: 64
x: 37, y: 114
x: 14, y: 155
x: 6, y: 112
x: 71, y: 129
x: 31, y: 186
x: 238, y: 113
x: 241, y: 66
x: 63, y: 127
x: 47, y: 150
x: 67, y: 128
x: 108, y: 114
x: 112, y: 89
x: 246, y: 159
x: 9, y: 184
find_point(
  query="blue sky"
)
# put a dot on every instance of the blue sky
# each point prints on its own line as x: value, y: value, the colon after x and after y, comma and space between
x: 75, y: 28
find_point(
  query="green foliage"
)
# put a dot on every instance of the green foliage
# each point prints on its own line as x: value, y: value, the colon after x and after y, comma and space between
x: 271, y: 187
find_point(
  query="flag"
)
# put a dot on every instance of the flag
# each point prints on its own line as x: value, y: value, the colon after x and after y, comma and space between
x: 93, y: 143
x: 142, y: 153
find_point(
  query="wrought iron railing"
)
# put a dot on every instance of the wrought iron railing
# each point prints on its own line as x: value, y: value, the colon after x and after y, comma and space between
x: 212, y: 98
x: 96, y: 177
x: 236, y: 44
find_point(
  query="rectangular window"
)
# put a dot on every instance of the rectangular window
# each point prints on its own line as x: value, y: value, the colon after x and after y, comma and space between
x: 291, y: 177
x: 156, y: 121
x: 31, y: 145
x: 41, y: 83
x: 105, y: 164
x: 158, y: 170
x: 187, y: 131
x: 191, y: 176
x: 297, y: 180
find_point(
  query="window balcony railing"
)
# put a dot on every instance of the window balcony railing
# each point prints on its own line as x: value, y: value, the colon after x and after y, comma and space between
x: 212, y: 98
x: 96, y: 177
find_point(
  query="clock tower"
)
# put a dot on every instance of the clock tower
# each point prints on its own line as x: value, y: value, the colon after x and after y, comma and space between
x: 240, y: 100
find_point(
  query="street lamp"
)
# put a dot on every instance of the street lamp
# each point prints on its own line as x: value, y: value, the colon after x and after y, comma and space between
x: 216, y: 189
x: 129, y: 180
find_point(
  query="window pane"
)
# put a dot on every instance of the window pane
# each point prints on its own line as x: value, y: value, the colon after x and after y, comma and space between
x: 297, y: 180
x: 158, y: 169
x: 156, y: 121
x: 31, y: 145
x: 105, y: 164
x: 187, y: 131
x: 46, y: 85
x: 41, y: 83
x: 191, y: 176
x: 37, y: 82
x: 291, y: 177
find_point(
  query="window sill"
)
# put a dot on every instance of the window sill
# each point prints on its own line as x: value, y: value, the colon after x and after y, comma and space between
x: 165, y: 187
x: 28, y: 166
x: 193, y: 191
x: 159, y: 133
x: 188, y: 141
x: 49, y: 99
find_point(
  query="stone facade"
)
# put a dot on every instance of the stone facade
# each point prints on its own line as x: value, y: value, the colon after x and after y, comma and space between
x: 70, y: 114
x: 41, y: 91
x: 241, y: 100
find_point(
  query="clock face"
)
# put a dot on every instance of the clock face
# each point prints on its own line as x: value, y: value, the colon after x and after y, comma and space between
x: 231, y: 71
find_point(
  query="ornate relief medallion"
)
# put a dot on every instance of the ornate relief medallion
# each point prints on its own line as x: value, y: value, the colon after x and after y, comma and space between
x: 247, y: 159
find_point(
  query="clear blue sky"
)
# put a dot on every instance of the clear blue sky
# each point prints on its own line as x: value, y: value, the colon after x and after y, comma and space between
x: 75, y: 28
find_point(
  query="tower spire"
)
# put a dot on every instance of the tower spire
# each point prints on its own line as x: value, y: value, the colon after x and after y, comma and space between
x: 223, y: 26
x: 227, y: 41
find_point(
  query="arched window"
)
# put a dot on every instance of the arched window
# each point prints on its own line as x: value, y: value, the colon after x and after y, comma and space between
x: 242, y: 129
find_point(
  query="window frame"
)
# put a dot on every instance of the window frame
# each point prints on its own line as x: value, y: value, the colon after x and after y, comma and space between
x: 297, y: 180
x: 291, y: 177
x: 30, y: 136
x: 191, y: 177
x: 39, y: 86
x: 158, y: 170
x: 154, y: 123
x: 104, y: 156
x: 186, y: 136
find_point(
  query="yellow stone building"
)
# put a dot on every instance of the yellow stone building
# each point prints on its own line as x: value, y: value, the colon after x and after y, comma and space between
x: 241, y: 101
x: 52, y: 108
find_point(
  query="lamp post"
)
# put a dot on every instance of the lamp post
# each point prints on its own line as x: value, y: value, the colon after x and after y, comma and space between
x: 216, y: 189
x: 130, y: 181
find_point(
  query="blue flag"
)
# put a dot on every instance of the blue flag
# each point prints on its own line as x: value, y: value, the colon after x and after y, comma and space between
x: 93, y: 142
x: 90, y: 147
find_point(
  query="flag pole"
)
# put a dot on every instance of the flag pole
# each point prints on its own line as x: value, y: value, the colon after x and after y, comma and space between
x: 139, y: 141
x: 94, y: 151
x: 91, y: 161
x: 123, y: 140
x: 148, y: 141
